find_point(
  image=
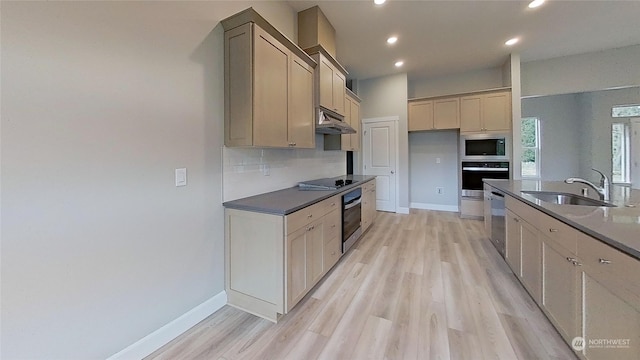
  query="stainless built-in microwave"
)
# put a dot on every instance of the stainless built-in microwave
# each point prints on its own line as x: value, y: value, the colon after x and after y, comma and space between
x: 485, y: 146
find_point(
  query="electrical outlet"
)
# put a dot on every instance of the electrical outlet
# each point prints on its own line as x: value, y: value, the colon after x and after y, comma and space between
x: 437, y: 160
x: 439, y: 190
x: 266, y: 170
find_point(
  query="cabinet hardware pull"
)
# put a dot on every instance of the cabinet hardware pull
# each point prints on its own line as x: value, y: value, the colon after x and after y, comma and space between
x: 576, y: 263
x: 516, y: 219
x: 310, y: 216
x: 604, y: 261
x: 311, y: 228
x: 334, y: 225
x: 570, y: 259
x: 333, y: 253
x: 553, y: 230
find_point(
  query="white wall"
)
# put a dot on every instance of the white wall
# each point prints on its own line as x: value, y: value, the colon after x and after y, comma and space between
x: 101, y: 102
x: 560, y: 136
x: 244, y: 169
x: 585, y: 72
x: 457, y: 83
x: 426, y: 174
x: 387, y: 96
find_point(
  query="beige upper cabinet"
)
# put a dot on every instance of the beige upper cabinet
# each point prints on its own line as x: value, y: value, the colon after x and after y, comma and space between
x: 435, y: 114
x: 331, y: 84
x: 446, y: 114
x: 301, y: 129
x: 485, y: 112
x: 351, y: 142
x: 421, y: 115
x: 268, y: 91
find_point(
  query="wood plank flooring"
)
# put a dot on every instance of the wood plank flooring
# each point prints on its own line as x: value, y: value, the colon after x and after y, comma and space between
x: 427, y: 285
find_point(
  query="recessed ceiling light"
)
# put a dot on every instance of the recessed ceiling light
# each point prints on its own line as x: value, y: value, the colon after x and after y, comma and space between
x: 535, y: 3
x: 511, y: 41
x: 379, y: 2
x: 392, y: 40
x: 399, y: 63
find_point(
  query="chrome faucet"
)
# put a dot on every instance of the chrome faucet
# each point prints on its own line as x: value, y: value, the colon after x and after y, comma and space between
x: 603, y: 189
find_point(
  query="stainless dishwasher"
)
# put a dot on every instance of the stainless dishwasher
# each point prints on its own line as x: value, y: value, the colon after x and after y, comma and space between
x: 498, y: 228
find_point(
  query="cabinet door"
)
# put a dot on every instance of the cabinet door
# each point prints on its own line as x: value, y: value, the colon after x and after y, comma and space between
x: 446, y: 113
x: 420, y: 115
x: 531, y: 260
x: 339, y: 85
x: 345, y: 140
x: 315, y: 253
x: 611, y: 314
x: 271, y: 69
x: 561, y: 295
x: 496, y: 111
x: 514, y: 243
x: 471, y: 113
x: 325, y: 79
x: 487, y: 210
x: 355, y: 123
x: 238, y: 85
x: 297, y: 278
x: 301, y: 130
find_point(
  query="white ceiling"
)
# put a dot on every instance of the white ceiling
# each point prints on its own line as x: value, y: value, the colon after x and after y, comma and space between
x: 438, y: 38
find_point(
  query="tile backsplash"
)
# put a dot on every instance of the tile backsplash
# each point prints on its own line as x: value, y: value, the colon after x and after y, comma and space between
x: 248, y: 172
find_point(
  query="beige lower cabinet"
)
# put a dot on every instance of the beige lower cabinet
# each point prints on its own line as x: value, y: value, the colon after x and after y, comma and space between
x: 305, y: 260
x: 513, y: 249
x: 531, y: 261
x: 273, y: 261
x: 561, y: 279
x: 610, y: 303
x: 487, y: 210
x: 368, y: 204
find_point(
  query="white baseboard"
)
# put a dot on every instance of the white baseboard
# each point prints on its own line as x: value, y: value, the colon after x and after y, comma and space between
x: 437, y: 207
x: 402, y: 210
x: 154, y: 341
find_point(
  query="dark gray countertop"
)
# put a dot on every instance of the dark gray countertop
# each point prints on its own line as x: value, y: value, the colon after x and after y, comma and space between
x: 617, y: 226
x: 286, y: 201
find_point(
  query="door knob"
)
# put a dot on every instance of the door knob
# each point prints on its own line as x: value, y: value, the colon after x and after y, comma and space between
x: 393, y: 172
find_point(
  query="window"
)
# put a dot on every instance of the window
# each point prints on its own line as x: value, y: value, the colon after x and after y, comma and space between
x: 620, y: 151
x: 625, y: 111
x: 530, y: 147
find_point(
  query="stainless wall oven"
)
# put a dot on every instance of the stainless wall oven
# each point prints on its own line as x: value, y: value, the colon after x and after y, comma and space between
x: 490, y: 147
x: 351, y: 217
x: 474, y: 171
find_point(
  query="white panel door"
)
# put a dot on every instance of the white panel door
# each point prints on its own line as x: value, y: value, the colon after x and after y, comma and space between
x: 379, y: 159
x: 635, y: 153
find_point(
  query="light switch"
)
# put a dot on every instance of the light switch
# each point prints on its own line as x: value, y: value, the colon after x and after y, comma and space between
x: 181, y: 177
x: 437, y: 160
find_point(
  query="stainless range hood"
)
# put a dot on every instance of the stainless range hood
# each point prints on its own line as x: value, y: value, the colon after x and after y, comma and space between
x: 332, y: 123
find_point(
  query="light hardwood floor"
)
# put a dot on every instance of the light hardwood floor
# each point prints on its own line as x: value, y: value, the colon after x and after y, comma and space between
x: 427, y: 285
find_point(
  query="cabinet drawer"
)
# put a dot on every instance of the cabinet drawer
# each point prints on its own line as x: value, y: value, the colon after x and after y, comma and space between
x: 332, y: 222
x: 369, y: 186
x: 561, y: 233
x: 332, y: 253
x: 304, y: 216
x: 330, y: 204
x: 601, y: 258
x: 526, y: 212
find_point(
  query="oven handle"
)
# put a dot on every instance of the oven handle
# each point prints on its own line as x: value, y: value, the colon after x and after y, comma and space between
x: 353, y: 203
x: 484, y: 169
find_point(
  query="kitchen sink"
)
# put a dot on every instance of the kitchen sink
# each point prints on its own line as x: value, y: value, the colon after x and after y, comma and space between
x: 562, y: 198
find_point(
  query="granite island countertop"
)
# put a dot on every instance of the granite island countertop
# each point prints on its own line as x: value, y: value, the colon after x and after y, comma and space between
x: 617, y: 226
x: 286, y: 201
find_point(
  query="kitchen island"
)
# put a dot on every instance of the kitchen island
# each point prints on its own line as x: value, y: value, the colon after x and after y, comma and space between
x: 580, y: 264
